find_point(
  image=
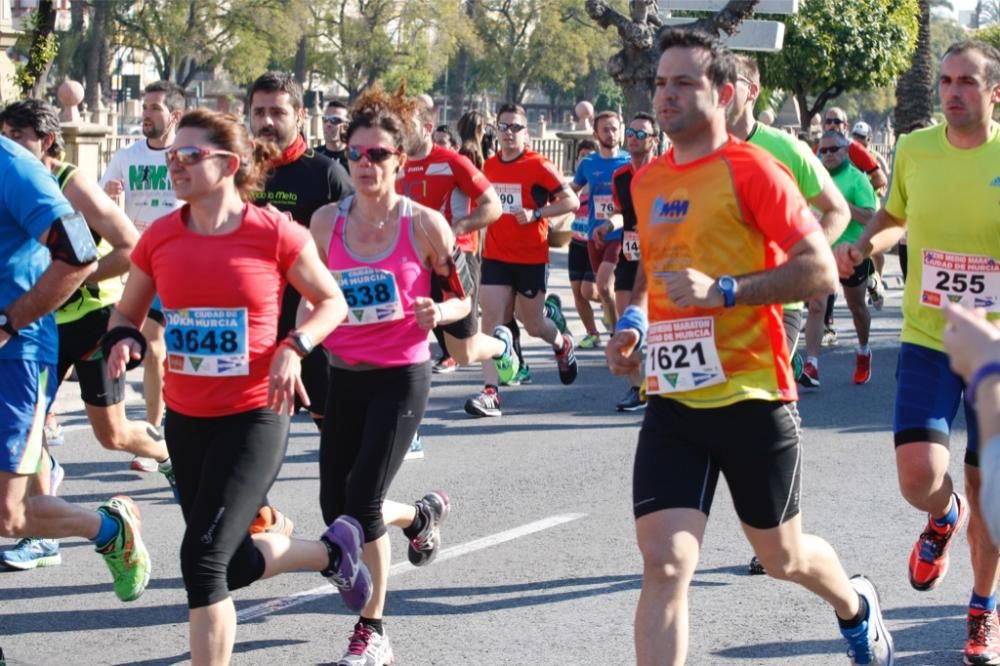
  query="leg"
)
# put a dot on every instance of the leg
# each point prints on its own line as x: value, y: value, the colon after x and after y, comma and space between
x: 985, y: 557
x: 152, y: 367
x: 581, y: 302
x: 116, y: 433
x: 814, y: 326
x: 495, y: 300
x: 531, y: 311
x: 855, y: 297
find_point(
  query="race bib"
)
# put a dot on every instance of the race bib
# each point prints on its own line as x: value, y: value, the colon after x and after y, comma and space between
x: 510, y: 196
x: 208, y: 342
x: 604, y: 206
x: 371, y: 295
x: 967, y: 279
x: 681, y: 356
x: 581, y: 229
x: 630, y: 245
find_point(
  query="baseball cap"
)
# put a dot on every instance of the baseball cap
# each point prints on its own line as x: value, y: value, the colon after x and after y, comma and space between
x: 861, y: 128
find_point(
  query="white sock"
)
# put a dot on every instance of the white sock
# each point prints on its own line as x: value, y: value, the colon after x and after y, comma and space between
x: 813, y: 360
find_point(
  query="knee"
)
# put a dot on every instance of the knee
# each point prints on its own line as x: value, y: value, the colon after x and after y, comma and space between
x: 817, y: 308
x: 916, y: 480
x: 667, y: 567
x: 156, y: 350
x: 369, y: 515
x: 781, y: 564
x: 111, y: 435
x: 204, y: 576
x: 460, y: 350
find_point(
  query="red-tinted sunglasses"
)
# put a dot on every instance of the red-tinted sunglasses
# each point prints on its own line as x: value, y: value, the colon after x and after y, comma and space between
x: 191, y: 155
x: 376, y: 154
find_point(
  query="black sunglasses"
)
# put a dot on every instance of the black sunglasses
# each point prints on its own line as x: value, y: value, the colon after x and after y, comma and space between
x: 513, y: 127
x: 642, y: 135
x: 833, y: 121
x: 334, y: 120
x: 829, y: 150
x: 374, y: 153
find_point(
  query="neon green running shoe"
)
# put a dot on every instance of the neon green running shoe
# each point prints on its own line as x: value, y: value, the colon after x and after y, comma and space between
x: 126, y: 554
x: 507, y: 365
x: 590, y: 341
x: 523, y: 376
x: 553, y: 310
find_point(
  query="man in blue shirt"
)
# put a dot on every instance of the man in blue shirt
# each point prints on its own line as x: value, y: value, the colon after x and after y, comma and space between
x: 594, y: 173
x: 46, y: 252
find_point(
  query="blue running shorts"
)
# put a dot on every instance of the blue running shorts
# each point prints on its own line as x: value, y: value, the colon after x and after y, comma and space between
x: 928, y: 394
x: 27, y: 389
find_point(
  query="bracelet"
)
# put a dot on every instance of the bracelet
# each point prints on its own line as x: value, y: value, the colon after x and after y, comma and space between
x: 633, y: 318
x: 984, y: 371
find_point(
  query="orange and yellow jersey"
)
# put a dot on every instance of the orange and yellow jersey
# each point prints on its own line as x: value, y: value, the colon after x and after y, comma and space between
x: 732, y: 212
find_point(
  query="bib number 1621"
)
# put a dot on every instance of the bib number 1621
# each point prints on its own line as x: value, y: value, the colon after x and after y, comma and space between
x: 676, y: 357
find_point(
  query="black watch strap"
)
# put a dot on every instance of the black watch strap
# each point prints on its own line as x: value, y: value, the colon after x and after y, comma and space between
x: 6, y: 326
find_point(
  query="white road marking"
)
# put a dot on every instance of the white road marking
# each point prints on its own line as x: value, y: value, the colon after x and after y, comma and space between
x: 275, y: 605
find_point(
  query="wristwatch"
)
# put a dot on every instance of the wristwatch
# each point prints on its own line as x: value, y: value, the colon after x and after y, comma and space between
x: 727, y: 285
x: 300, y: 343
x: 536, y: 214
x: 6, y: 326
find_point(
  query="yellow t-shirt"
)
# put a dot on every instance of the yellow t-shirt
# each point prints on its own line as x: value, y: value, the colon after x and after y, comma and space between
x: 950, y: 199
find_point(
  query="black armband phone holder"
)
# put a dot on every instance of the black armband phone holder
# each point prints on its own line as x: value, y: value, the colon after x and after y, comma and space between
x: 459, y: 280
x: 116, y: 335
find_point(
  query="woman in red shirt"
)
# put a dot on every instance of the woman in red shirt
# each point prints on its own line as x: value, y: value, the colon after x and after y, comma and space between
x: 220, y: 266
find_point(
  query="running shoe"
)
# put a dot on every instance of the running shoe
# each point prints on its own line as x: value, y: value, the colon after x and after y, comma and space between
x: 983, y: 644
x: 367, y: 648
x: 416, y: 451
x: 30, y: 553
x: 507, y: 364
x: 487, y: 403
x: 756, y: 568
x: 810, y: 375
x: 566, y: 358
x: 167, y: 470
x: 271, y: 521
x: 53, y: 431
x: 434, y: 507
x: 829, y: 338
x: 553, y: 310
x: 56, y: 476
x: 929, y: 557
x: 139, y: 464
x: 126, y: 554
x: 862, y: 367
x: 869, y: 642
x: 523, y: 376
x: 797, y: 366
x: 590, y: 341
x: 445, y: 366
x: 632, y: 402
x: 876, y: 291
x: 344, y: 537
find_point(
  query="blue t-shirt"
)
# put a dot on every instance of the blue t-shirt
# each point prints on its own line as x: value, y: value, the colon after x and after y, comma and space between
x: 30, y: 201
x: 596, y: 171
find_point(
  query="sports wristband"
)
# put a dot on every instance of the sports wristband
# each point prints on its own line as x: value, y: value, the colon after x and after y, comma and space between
x: 116, y: 335
x: 634, y: 318
x: 984, y: 371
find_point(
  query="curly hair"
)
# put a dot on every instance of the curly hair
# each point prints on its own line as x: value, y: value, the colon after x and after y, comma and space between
x: 389, y: 112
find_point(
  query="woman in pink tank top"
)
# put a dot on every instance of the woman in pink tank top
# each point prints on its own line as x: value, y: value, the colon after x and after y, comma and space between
x: 383, y: 249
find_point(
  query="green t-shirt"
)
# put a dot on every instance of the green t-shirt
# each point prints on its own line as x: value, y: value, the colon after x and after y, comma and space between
x: 806, y: 168
x: 857, y: 189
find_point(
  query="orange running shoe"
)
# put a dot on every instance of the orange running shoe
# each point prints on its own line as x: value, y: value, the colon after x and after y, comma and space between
x: 270, y: 520
x: 929, y: 557
x: 862, y: 368
x: 983, y: 645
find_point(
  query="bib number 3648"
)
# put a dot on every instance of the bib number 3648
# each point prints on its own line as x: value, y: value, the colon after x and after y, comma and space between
x: 682, y: 356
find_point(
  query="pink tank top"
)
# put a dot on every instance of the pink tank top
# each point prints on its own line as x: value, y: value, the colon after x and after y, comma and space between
x: 380, y: 329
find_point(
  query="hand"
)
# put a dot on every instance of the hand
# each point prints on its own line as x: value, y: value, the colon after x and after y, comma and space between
x: 601, y: 232
x: 848, y: 256
x: 114, y: 188
x: 4, y: 337
x: 620, y: 352
x: 691, y: 288
x: 427, y: 313
x: 285, y: 381
x: 122, y: 354
x: 523, y: 216
x: 970, y: 340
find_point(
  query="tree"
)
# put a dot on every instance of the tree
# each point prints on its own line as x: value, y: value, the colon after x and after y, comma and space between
x: 41, y: 45
x: 915, y: 88
x: 633, y: 68
x: 986, y: 13
x: 835, y: 46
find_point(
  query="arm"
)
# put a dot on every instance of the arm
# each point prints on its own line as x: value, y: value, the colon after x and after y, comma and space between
x: 108, y: 220
x: 834, y: 208
x: 861, y: 215
x: 880, y: 234
x: 435, y: 239
x: 130, y: 311
x: 565, y: 201
x: 486, y: 212
x: 310, y: 277
x: 878, y: 179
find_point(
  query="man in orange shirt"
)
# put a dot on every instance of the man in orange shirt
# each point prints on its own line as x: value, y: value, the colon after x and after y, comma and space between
x: 725, y: 239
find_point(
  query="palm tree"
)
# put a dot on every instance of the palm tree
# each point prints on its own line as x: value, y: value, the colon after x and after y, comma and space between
x: 915, y: 88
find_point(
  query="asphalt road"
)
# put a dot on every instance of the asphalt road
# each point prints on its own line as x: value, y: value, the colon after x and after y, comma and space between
x: 540, y: 563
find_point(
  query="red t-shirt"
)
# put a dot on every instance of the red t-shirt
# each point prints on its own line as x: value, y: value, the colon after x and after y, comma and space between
x: 861, y: 158
x: 528, y: 182
x: 221, y: 296
x: 447, y: 182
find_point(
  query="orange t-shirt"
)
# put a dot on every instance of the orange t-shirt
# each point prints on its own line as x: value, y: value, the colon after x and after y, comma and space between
x: 528, y: 182
x: 733, y: 212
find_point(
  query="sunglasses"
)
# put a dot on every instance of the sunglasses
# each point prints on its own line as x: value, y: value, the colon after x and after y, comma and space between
x: 375, y: 154
x: 513, y: 127
x: 830, y: 150
x: 334, y: 120
x: 191, y: 155
x: 642, y: 135
x: 833, y: 121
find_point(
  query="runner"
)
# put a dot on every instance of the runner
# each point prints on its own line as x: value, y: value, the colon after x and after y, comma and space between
x: 335, y: 119
x: 384, y: 250
x: 139, y: 173
x: 812, y: 179
x: 516, y: 255
x: 581, y: 273
x: 724, y: 237
x: 445, y: 137
x: 954, y: 253
x: 46, y: 253
x: 83, y: 319
x: 595, y: 173
x: 219, y: 265
x: 641, y: 139
x: 861, y: 198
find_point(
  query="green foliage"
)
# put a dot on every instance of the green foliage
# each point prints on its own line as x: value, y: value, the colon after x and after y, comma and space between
x: 990, y: 35
x: 944, y: 33
x: 40, y: 52
x: 835, y: 46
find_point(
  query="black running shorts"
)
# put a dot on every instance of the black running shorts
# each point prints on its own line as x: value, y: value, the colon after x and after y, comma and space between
x: 860, y: 275
x: 625, y: 272
x: 579, y: 262
x: 77, y: 343
x: 754, y: 443
x: 526, y: 279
